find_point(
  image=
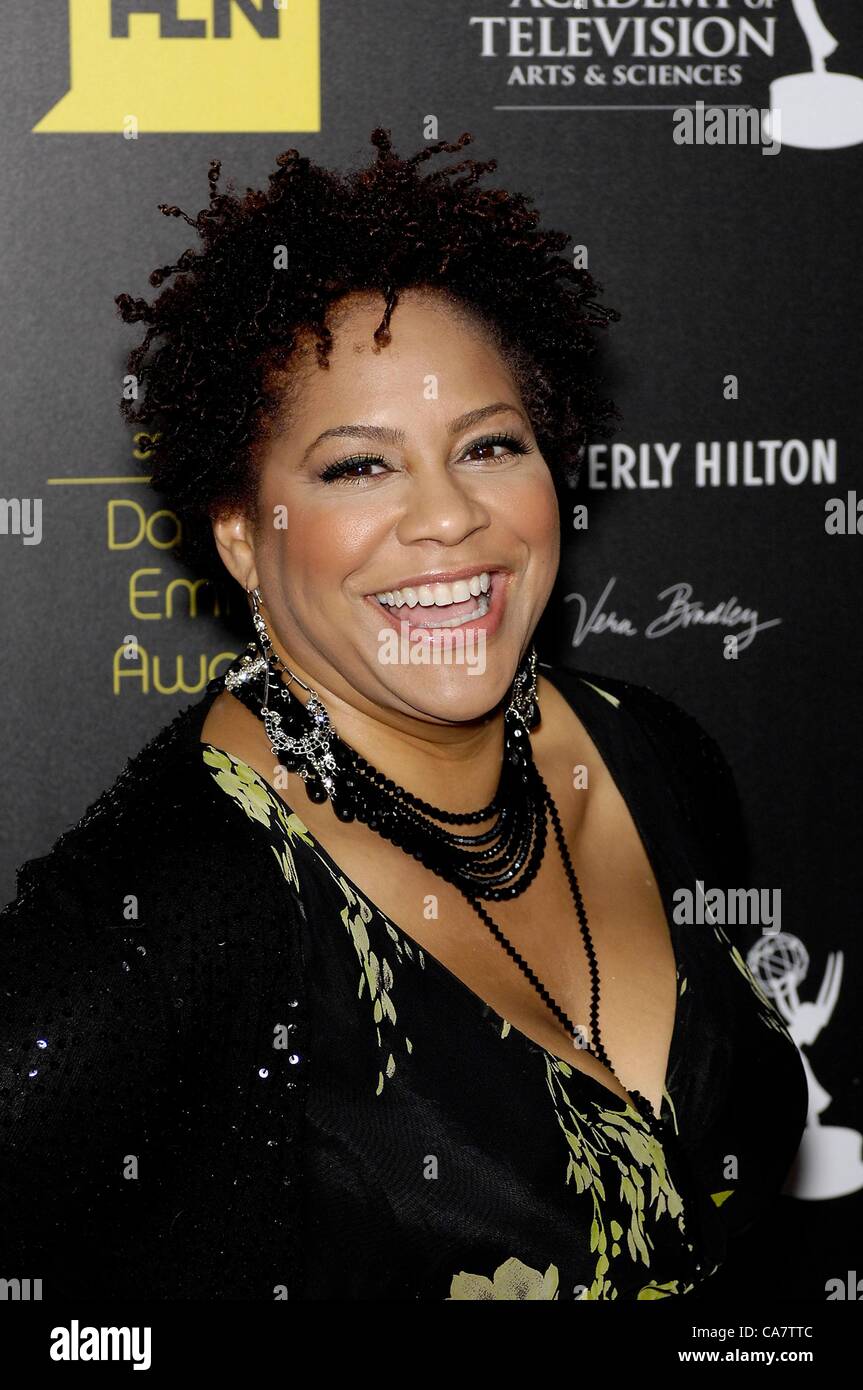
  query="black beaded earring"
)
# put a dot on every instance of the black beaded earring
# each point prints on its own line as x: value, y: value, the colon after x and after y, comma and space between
x: 303, y: 739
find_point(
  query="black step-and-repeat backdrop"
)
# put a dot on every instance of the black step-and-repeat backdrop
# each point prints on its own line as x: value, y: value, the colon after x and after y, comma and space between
x: 705, y: 156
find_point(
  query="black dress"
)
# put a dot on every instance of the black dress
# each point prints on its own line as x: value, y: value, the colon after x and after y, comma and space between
x: 448, y: 1156
x: 225, y: 1075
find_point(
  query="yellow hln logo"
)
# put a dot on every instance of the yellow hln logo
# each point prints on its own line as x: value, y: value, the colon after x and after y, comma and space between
x: 191, y: 65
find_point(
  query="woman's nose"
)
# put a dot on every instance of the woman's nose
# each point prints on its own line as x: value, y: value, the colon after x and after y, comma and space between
x: 440, y: 506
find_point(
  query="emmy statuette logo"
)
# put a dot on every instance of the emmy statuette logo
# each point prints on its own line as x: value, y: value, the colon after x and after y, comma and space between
x: 829, y: 1162
x: 819, y: 110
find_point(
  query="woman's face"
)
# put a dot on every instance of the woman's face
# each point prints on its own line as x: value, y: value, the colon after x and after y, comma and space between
x: 430, y: 494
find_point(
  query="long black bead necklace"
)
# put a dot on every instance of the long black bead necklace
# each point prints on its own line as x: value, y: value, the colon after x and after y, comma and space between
x: 493, y: 865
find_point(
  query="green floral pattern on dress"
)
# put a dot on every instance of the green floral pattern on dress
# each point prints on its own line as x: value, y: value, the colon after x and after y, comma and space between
x: 514, y: 1280
x: 511, y: 1280
x: 612, y: 699
x: 768, y: 1012
x: 620, y: 1138
x: 254, y: 796
x: 377, y: 975
x: 260, y: 803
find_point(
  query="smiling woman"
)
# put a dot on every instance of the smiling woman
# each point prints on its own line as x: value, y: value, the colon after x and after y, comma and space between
x: 327, y: 1070
x: 448, y: 502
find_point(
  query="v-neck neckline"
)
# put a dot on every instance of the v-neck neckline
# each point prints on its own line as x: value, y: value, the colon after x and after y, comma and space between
x: 616, y: 754
x: 612, y: 754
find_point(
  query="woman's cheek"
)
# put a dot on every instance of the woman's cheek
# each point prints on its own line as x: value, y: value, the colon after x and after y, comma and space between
x: 533, y: 508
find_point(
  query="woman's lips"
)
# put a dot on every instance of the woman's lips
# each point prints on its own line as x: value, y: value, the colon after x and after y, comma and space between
x: 413, y: 619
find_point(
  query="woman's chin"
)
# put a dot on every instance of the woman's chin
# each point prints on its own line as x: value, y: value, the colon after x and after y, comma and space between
x: 454, y: 694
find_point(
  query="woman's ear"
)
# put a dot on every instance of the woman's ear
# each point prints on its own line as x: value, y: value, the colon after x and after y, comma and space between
x: 232, y: 533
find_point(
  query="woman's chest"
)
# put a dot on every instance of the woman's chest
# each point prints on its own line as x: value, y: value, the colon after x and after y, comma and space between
x: 534, y: 968
x: 436, y: 1128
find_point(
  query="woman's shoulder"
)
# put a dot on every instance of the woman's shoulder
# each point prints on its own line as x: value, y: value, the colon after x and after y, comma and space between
x: 659, y: 714
x: 156, y: 810
x: 159, y: 887
x: 692, y: 760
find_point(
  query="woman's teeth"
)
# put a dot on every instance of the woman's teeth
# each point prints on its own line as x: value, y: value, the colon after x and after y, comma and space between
x: 437, y: 595
x: 478, y: 612
x: 442, y: 596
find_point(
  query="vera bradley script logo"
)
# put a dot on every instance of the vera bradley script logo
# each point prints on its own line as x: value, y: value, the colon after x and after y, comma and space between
x: 681, y: 611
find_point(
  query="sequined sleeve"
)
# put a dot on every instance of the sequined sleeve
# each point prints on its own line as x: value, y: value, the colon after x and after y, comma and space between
x: 145, y: 967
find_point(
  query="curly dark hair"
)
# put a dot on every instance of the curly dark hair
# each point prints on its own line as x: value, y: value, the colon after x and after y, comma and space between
x: 216, y: 384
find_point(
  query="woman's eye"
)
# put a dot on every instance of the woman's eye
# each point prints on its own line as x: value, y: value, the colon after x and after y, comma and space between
x: 350, y: 469
x: 345, y: 467
x: 508, y: 443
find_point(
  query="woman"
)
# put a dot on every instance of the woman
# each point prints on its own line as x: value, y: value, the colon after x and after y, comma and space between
x: 363, y: 980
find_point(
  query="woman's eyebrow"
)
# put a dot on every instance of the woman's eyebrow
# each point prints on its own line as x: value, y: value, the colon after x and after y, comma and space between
x: 384, y: 434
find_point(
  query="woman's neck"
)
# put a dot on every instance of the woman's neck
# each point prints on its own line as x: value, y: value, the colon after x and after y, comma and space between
x: 455, y: 766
